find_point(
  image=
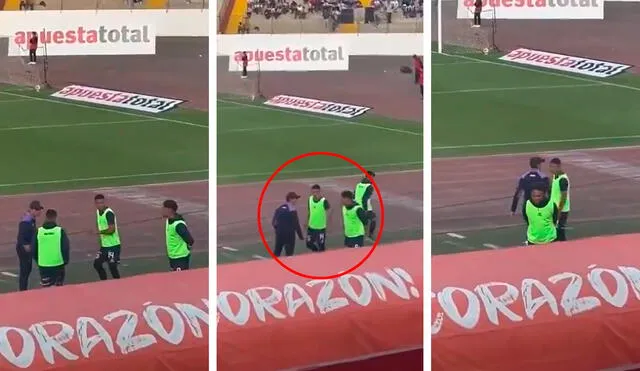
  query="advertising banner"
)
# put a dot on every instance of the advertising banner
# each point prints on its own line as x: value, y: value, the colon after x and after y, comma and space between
x: 119, y: 99
x: 75, y: 37
x: 317, y: 106
x: 534, y: 9
x: 299, y: 54
x: 567, y: 63
x: 152, y: 322
x: 374, y: 311
x: 567, y: 306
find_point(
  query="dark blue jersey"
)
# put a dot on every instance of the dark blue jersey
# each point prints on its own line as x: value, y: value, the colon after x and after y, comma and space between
x: 527, y: 182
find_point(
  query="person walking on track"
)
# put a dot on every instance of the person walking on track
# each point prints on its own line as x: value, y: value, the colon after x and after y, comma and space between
x: 541, y: 216
x: 178, y: 238
x: 109, y: 239
x: 560, y: 195
x: 26, y: 235
x: 354, y: 218
x: 363, y: 193
x: 51, y: 251
x: 317, y: 219
x: 286, y: 224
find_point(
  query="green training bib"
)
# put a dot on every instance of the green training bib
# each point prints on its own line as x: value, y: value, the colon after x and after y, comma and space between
x: 360, y: 190
x: 50, y: 247
x: 541, y: 227
x: 353, y: 226
x: 176, y: 246
x: 107, y: 240
x: 317, y: 214
x: 556, y: 194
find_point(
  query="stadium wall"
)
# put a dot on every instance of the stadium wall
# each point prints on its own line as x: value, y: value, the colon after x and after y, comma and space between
x: 175, y: 22
x: 569, y: 306
x: 391, y: 44
x: 372, y: 316
x: 153, y: 322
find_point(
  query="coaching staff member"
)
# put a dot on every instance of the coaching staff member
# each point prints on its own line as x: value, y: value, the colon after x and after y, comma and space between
x: 477, y: 12
x: 51, y: 251
x: 363, y: 192
x: 317, y: 218
x: 354, y: 218
x: 286, y: 224
x: 109, y: 239
x: 541, y: 216
x: 178, y: 238
x: 533, y: 178
x: 560, y: 195
x: 26, y: 235
x: 245, y: 62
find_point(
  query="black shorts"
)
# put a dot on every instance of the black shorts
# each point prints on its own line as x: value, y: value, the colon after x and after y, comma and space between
x: 51, y: 276
x: 316, y: 239
x: 109, y: 254
x: 180, y: 264
x: 354, y: 241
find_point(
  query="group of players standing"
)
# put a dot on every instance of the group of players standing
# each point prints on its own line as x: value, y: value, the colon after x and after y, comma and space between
x: 49, y: 245
x: 358, y: 219
x: 547, y: 202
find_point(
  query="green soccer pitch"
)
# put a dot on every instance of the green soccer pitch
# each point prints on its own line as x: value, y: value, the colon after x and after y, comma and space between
x: 254, y: 140
x: 51, y: 145
x: 482, y: 106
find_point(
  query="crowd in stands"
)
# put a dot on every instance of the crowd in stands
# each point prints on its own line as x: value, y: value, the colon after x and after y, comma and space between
x: 330, y: 10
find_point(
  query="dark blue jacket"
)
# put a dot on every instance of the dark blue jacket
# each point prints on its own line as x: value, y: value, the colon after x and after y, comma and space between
x: 26, y: 231
x: 531, y: 179
x: 286, y: 222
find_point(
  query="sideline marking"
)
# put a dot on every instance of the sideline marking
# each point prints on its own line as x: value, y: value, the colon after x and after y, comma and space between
x: 9, y: 274
x: 55, y: 101
x: 515, y: 88
x: 78, y: 124
x: 301, y: 114
x: 454, y: 63
x: 491, y: 246
x: 229, y: 248
x: 526, y: 153
x: 259, y: 257
x: 391, y: 172
x: 455, y: 235
x: 111, y: 177
x: 550, y: 73
x: 515, y: 144
x: 267, y: 128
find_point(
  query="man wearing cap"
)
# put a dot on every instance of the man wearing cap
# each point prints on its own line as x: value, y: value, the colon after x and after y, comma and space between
x: 317, y: 219
x: 51, y: 251
x: 286, y: 225
x: 177, y: 236
x: 26, y: 235
x: 363, y: 192
x: 354, y: 218
x: 532, y: 178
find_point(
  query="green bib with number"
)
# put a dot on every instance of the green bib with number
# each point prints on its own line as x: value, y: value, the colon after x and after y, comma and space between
x: 50, y: 247
x: 176, y: 246
x: 361, y: 189
x: 353, y: 226
x: 556, y: 193
x: 107, y: 240
x: 317, y: 214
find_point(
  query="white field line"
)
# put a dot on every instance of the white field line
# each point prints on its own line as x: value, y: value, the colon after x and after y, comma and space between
x: 8, y: 274
x: 144, y: 116
x: 531, y: 142
x: 453, y: 64
x: 14, y: 100
x: 229, y: 248
x: 259, y: 257
x: 525, y: 154
x: 301, y: 114
x: 544, y: 72
x: 270, y: 128
x: 110, y: 177
x: 391, y: 172
x: 513, y: 88
x: 77, y: 124
x: 491, y: 246
x: 455, y: 235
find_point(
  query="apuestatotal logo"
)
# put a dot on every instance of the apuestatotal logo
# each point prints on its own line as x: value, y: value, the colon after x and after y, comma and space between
x: 88, y: 35
x: 535, y: 3
x: 289, y: 54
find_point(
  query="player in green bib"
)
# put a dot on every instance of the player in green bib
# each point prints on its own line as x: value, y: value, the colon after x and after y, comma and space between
x: 318, y: 215
x: 363, y: 193
x: 51, y: 251
x: 354, y: 219
x: 177, y: 237
x: 560, y: 195
x: 541, y: 216
x: 109, y: 239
